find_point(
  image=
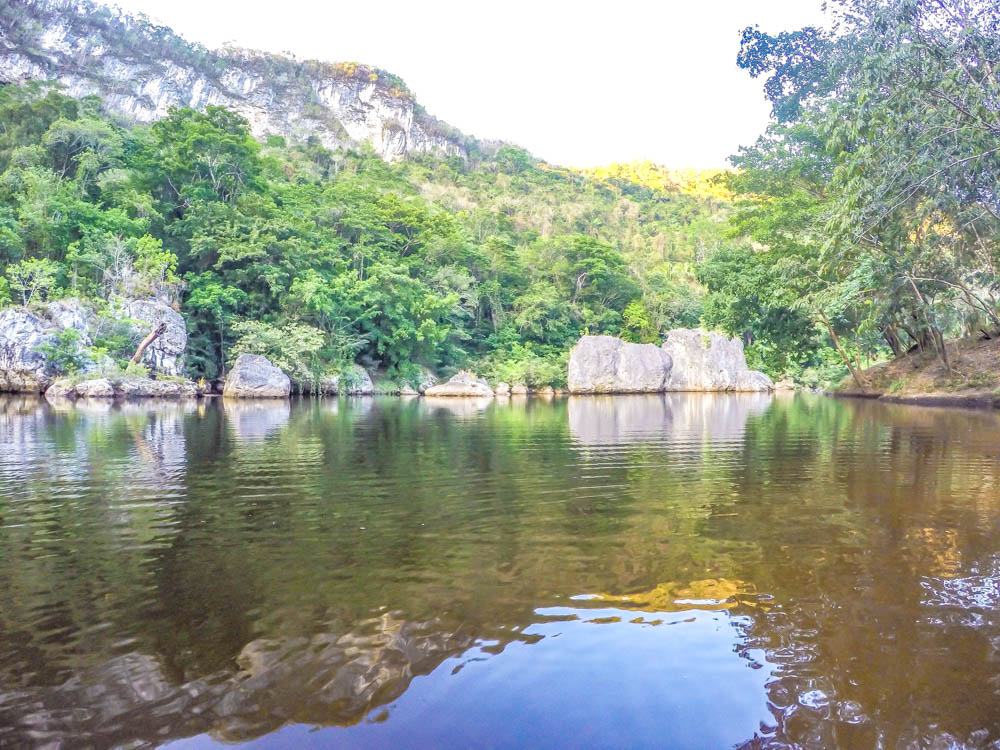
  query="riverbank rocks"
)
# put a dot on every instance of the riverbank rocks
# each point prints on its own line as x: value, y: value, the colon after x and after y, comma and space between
x: 605, y: 364
x: 121, y: 388
x: 519, y: 389
x: 354, y: 382
x: 166, y: 353
x: 502, y: 389
x: 253, y: 376
x: 462, y: 384
x: 706, y: 361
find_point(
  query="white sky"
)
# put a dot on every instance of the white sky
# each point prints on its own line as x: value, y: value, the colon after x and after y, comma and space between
x: 576, y: 83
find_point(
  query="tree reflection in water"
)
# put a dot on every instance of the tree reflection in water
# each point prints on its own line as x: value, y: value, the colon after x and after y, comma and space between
x: 817, y: 573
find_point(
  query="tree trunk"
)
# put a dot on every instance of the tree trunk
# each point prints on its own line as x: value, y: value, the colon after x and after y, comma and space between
x: 153, y: 335
x: 856, y: 374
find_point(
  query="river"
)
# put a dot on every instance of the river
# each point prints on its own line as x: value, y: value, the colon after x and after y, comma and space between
x: 687, y: 570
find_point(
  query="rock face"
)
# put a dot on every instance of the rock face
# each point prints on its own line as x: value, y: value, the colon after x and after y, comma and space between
x: 689, y: 360
x: 710, y: 362
x: 253, y: 376
x: 140, y: 71
x: 70, y: 313
x: 166, y: 353
x: 355, y: 383
x: 463, y: 384
x: 22, y: 367
x: 604, y: 364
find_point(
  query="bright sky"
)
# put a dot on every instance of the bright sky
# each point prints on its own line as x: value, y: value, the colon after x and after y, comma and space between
x: 577, y: 83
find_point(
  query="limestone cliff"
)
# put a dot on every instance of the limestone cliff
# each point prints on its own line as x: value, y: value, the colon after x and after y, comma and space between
x: 140, y: 70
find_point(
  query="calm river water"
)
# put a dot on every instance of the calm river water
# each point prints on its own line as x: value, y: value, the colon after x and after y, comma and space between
x: 689, y: 571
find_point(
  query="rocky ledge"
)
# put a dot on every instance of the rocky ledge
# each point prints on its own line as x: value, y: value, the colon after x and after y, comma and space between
x: 121, y: 388
x: 689, y: 360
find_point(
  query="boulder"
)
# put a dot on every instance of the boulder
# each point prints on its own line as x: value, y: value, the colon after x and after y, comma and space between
x: 253, y: 376
x: 355, y: 382
x: 605, y: 364
x: 546, y: 392
x: 785, y: 384
x: 61, y: 388
x: 462, y: 384
x: 166, y: 353
x: 22, y: 367
x: 519, y: 389
x: 96, y: 388
x: 705, y: 361
x: 502, y: 389
x: 408, y: 391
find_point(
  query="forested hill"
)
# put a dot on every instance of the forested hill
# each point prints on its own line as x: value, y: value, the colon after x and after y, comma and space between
x: 321, y: 257
x: 140, y: 70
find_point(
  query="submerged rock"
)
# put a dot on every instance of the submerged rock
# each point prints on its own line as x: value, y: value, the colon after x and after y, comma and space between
x: 253, y: 376
x: 462, y: 384
x: 604, y: 364
x: 706, y: 361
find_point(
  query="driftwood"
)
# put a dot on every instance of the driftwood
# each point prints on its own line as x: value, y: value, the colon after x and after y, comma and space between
x: 153, y: 335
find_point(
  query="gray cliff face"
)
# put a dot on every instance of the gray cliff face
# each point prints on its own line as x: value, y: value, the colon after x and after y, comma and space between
x: 141, y: 70
x: 710, y: 362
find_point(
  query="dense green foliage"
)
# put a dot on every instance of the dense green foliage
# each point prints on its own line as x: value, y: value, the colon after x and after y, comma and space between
x: 319, y: 258
x: 872, y: 198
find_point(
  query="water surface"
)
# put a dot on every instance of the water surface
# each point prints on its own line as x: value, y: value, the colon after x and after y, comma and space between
x: 690, y: 571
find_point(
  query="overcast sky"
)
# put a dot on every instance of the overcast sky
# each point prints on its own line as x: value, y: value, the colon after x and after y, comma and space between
x: 576, y: 83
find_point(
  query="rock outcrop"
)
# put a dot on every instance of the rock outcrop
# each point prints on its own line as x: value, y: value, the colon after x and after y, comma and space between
x: 462, y: 384
x: 166, y: 353
x: 604, y: 364
x: 689, y: 360
x: 706, y: 361
x: 140, y: 71
x: 502, y: 389
x: 253, y: 376
x: 23, y: 368
x: 357, y: 382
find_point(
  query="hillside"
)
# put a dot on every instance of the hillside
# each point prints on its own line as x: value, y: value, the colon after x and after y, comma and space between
x: 140, y: 70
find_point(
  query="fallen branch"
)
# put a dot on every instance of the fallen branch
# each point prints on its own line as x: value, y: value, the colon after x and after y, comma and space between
x: 153, y: 335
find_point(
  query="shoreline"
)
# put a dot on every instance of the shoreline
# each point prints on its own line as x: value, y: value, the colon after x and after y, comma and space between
x: 971, y: 400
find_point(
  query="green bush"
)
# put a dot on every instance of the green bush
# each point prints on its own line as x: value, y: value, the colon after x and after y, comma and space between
x: 65, y: 353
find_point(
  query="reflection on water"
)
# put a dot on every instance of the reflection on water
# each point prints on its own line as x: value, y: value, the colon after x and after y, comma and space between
x: 675, y: 571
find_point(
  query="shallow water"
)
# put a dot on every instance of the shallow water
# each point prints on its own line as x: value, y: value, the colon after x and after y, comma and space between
x: 690, y: 571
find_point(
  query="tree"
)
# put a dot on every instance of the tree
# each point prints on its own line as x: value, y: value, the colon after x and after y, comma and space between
x: 33, y: 278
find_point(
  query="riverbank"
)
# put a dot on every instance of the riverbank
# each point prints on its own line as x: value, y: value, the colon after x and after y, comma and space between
x: 920, y: 378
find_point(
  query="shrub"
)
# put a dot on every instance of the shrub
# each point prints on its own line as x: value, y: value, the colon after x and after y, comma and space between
x: 64, y: 353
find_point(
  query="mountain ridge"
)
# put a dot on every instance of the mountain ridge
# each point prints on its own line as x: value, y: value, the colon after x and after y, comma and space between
x: 140, y: 70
